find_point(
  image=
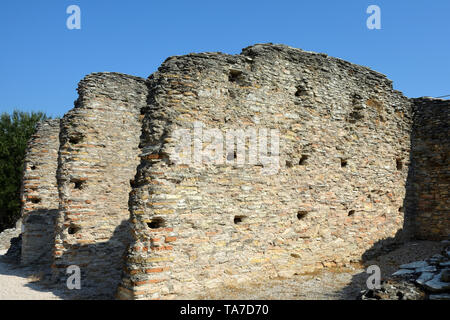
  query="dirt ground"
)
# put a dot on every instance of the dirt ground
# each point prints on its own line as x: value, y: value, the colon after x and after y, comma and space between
x: 329, y: 284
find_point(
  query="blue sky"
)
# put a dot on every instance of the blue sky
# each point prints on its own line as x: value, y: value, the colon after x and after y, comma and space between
x: 41, y: 61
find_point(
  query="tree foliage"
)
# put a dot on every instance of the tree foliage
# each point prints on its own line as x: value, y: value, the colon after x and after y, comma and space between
x: 15, y: 131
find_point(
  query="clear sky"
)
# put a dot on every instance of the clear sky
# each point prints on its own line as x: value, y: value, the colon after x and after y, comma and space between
x: 41, y: 60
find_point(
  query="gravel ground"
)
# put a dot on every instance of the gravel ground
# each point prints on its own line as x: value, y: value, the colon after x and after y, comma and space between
x: 18, y: 283
x: 22, y: 283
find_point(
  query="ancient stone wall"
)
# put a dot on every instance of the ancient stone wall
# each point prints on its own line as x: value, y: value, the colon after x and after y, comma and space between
x: 97, y: 160
x: 344, y: 140
x: 40, y: 193
x: 331, y: 162
x: 429, y: 182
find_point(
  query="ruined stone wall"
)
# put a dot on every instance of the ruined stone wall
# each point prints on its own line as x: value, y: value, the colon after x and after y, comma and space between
x: 343, y: 157
x: 357, y: 162
x: 40, y: 194
x: 429, y: 181
x: 97, y: 160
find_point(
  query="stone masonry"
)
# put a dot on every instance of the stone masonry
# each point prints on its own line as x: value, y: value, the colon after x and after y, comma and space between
x: 40, y: 194
x: 353, y: 170
x: 430, y: 169
x: 343, y: 157
x: 97, y: 162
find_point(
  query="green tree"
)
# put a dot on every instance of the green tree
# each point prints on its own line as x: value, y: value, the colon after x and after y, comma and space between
x: 15, y: 131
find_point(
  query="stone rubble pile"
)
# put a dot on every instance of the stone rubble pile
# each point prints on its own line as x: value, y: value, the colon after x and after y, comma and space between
x: 419, y: 280
x: 6, y: 236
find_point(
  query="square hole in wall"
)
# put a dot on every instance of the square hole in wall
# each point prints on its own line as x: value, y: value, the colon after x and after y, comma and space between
x: 234, y: 75
x: 301, y: 91
x: 239, y: 219
x: 399, y: 164
x: 73, y: 229
x: 303, y: 159
x: 75, y: 138
x: 78, y: 184
x: 156, y: 223
x: 301, y: 214
x: 35, y: 200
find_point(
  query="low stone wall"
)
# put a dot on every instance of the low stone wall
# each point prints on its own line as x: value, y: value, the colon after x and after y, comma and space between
x: 40, y: 194
x: 97, y: 162
x: 343, y: 159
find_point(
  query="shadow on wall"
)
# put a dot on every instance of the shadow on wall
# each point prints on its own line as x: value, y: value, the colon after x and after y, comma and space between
x: 38, y: 238
x: 101, y: 267
x: 98, y: 279
x: 410, y: 244
x: 406, y: 233
x: 427, y: 176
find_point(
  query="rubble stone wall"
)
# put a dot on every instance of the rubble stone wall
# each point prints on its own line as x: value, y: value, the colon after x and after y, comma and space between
x: 97, y: 161
x: 344, y: 137
x: 430, y: 169
x: 146, y: 165
x: 39, y: 193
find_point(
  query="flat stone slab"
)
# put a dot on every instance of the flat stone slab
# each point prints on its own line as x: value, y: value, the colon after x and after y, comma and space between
x: 402, y: 272
x: 426, y: 269
x: 442, y: 296
x: 436, y: 285
x: 424, y: 277
x: 414, y: 265
x: 437, y: 257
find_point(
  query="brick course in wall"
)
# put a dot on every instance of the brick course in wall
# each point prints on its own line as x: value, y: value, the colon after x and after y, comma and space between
x: 97, y: 162
x: 40, y: 194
